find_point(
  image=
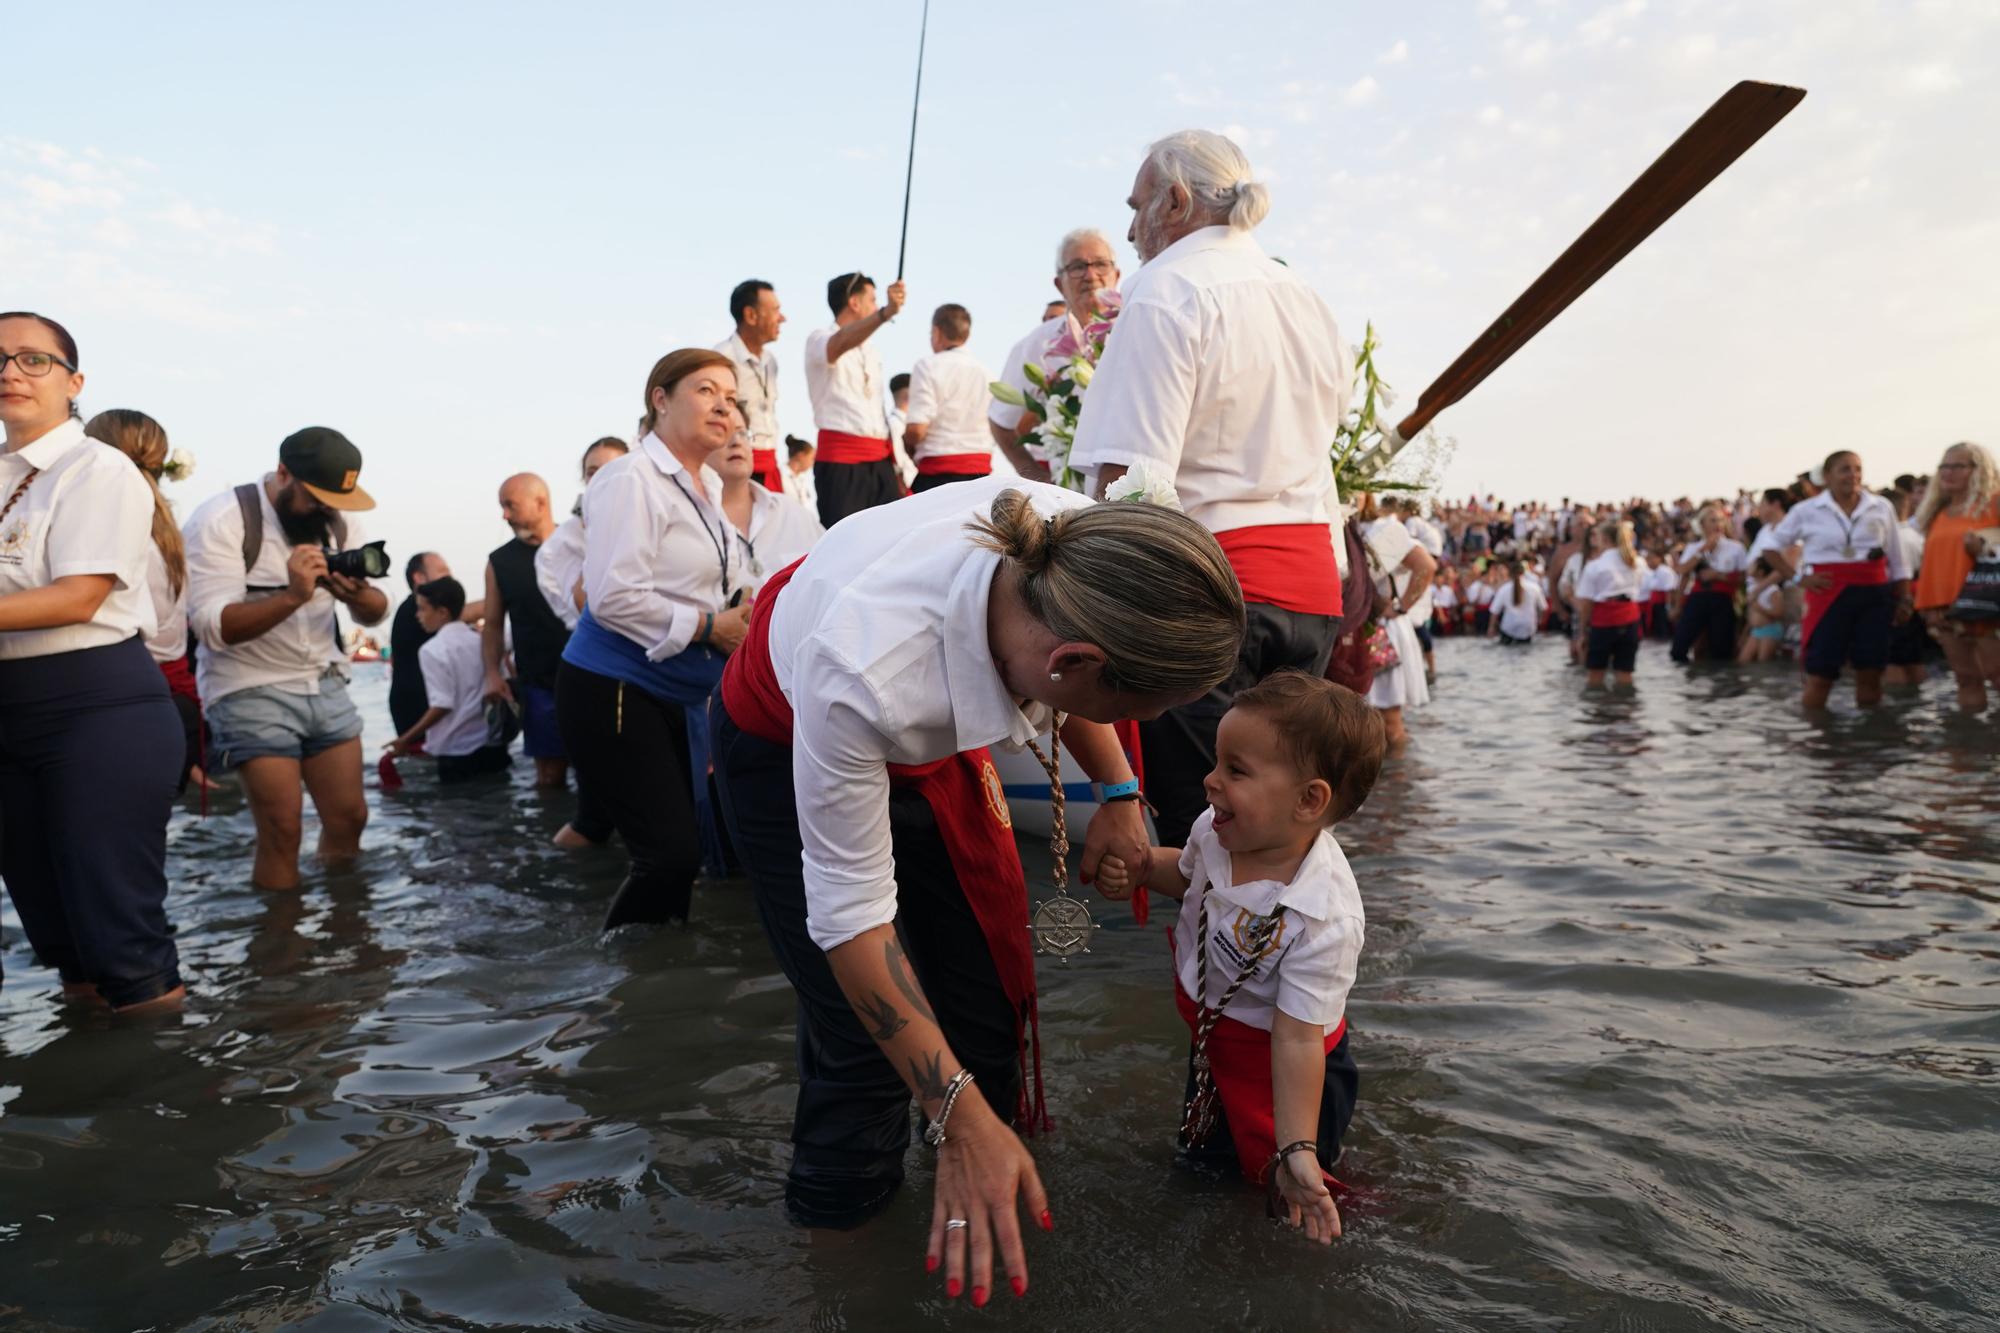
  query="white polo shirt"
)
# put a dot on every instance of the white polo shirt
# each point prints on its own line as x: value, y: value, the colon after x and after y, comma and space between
x: 559, y: 568
x: 660, y: 552
x: 1308, y: 967
x: 1226, y: 373
x: 1833, y: 536
x: 780, y: 532
x: 1728, y: 557
x: 949, y: 393
x: 87, y: 511
x: 846, y: 395
x: 1607, y: 576
x: 292, y: 655
x: 455, y: 680
x: 757, y: 389
x: 879, y: 643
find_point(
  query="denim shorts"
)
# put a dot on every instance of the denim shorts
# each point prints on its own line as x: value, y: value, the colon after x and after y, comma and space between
x: 267, y: 722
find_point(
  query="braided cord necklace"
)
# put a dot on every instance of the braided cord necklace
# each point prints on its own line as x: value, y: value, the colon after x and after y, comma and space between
x: 1199, y: 1120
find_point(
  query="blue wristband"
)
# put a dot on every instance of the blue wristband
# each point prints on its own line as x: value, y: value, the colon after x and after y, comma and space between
x: 1112, y: 791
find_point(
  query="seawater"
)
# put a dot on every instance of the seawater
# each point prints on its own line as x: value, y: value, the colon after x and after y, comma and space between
x: 1679, y: 1010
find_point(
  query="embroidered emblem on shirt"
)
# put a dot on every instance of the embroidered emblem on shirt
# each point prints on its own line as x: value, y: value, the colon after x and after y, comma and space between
x: 996, y: 795
x: 1248, y: 925
x: 14, y: 541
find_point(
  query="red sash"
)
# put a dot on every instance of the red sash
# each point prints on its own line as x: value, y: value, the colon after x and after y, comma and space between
x: 1726, y: 584
x: 1288, y: 565
x: 764, y: 470
x: 837, y: 446
x: 955, y: 465
x: 964, y: 793
x: 180, y: 678
x: 1611, y: 615
x: 1659, y: 597
x: 1845, y: 575
x: 1239, y: 1057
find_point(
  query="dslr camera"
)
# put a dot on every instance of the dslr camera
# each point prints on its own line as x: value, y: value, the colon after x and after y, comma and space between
x: 363, y: 562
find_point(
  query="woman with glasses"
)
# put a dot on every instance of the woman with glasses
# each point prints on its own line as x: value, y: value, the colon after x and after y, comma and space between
x: 90, y: 748
x: 1963, y: 500
x: 664, y: 604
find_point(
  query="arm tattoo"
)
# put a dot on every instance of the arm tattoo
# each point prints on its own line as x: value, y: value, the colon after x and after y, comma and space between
x: 899, y: 972
x: 929, y: 1075
x: 883, y: 1020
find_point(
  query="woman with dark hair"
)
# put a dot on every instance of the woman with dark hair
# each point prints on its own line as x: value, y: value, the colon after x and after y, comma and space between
x: 1517, y: 607
x: 663, y: 608
x: 852, y: 759
x: 144, y: 441
x: 90, y: 749
x: 1856, y: 580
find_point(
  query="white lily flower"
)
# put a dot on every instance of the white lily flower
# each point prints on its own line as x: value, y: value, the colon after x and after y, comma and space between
x: 1139, y: 483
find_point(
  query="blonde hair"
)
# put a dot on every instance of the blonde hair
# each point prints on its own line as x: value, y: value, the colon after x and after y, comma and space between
x: 1619, y: 530
x: 144, y: 441
x: 1980, y: 488
x: 1148, y: 585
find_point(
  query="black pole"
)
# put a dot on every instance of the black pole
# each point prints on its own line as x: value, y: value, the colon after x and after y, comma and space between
x: 910, y: 171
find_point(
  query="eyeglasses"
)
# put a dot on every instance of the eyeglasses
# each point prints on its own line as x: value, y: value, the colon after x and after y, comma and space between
x: 1952, y: 467
x: 1076, y: 268
x: 36, y: 364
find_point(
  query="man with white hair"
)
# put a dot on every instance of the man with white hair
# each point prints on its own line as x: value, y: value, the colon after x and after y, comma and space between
x: 1226, y: 376
x: 1085, y: 266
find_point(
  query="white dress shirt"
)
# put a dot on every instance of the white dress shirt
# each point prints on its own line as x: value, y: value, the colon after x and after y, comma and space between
x: 1663, y: 579
x: 1520, y: 622
x: 1308, y: 968
x: 169, y: 641
x: 559, y: 568
x: 879, y: 642
x: 846, y: 395
x: 1426, y: 534
x: 455, y: 680
x: 294, y: 653
x: 88, y: 511
x: 1607, y: 576
x: 1833, y: 536
x: 757, y: 390
x: 1226, y: 373
x: 1728, y: 557
x: 949, y: 392
x: 780, y: 532
x: 660, y: 551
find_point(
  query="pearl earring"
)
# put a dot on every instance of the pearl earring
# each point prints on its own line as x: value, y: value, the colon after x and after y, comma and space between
x: 1055, y: 675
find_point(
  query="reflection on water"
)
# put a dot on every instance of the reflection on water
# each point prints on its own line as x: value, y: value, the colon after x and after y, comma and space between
x: 1679, y: 1011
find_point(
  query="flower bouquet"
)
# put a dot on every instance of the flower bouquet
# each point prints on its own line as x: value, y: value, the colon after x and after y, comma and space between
x: 1056, y: 385
x: 179, y: 465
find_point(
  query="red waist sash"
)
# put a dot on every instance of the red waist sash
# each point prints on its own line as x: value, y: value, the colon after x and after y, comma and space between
x: 1239, y: 1057
x: 1845, y: 575
x: 1726, y: 584
x: 764, y: 470
x: 1611, y: 615
x: 1659, y: 597
x: 1288, y: 565
x: 964, y: 792
x: 837, y: 446
x: 180, y: 678
x: 955, y: 465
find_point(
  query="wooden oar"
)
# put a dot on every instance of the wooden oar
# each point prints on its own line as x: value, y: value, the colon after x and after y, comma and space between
x: 1725, y: 131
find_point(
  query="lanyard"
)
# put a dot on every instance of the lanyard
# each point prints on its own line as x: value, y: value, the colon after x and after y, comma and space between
x: 1847, y: 548
x: 720, y: 544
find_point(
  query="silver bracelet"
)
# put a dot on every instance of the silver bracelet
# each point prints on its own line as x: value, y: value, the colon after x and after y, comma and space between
x: 934, y: 1131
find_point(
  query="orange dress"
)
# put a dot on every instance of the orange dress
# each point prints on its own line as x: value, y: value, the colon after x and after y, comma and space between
x: 1946, y: 561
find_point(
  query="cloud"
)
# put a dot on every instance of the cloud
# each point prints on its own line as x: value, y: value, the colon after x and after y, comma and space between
x: 1602, y: 26
x: 1490, y: 115
x: 1936, y: 77
x: 1396, y: 54
x: 1362, y: 91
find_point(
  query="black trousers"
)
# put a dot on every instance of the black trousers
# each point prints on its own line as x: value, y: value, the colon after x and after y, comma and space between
x: 1179, y: 746
x: 849, y: 488
x: 90, y: 752
x: 930, y: 481
x: 1711, y: 613
x: 483, y: 762
x: 852, y: 1123
x: 630, y: 752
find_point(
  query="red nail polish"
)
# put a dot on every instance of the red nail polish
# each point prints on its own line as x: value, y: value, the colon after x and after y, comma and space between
x: 930, y: 1263
x: 952, y: 1286
x: 1020, y: 1285
x: 978, y: 1297
x: 1048, y: 1223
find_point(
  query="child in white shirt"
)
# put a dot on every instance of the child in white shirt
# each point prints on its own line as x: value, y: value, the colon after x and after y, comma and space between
x: 1269, y: 936
x: 454, y: 728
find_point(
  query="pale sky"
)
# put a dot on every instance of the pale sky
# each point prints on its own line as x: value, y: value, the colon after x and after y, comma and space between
x: 462, y: 234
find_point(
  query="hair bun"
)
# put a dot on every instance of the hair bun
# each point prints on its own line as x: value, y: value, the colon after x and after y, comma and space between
x: 1023, y: 535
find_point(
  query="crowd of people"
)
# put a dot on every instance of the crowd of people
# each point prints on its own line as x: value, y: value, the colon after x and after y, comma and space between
x: 737, y: 677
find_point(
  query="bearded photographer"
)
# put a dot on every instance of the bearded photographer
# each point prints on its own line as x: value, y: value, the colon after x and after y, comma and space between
x: 269, y: 564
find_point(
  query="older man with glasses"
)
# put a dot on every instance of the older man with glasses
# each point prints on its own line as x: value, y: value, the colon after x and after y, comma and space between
x: 854, y: 468
x: 1085, y: 266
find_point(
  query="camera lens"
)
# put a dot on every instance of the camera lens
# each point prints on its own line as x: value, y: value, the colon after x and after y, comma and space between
x: 366, y: 562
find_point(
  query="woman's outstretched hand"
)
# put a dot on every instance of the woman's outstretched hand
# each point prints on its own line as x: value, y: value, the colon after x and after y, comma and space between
x: 984, y: 1173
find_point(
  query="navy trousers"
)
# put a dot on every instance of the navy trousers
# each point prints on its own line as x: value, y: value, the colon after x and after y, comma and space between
x: 90, y: 755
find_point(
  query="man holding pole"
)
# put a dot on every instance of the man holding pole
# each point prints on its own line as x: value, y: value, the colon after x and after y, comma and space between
x: 1227, y: 377
x: 853, y: 467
